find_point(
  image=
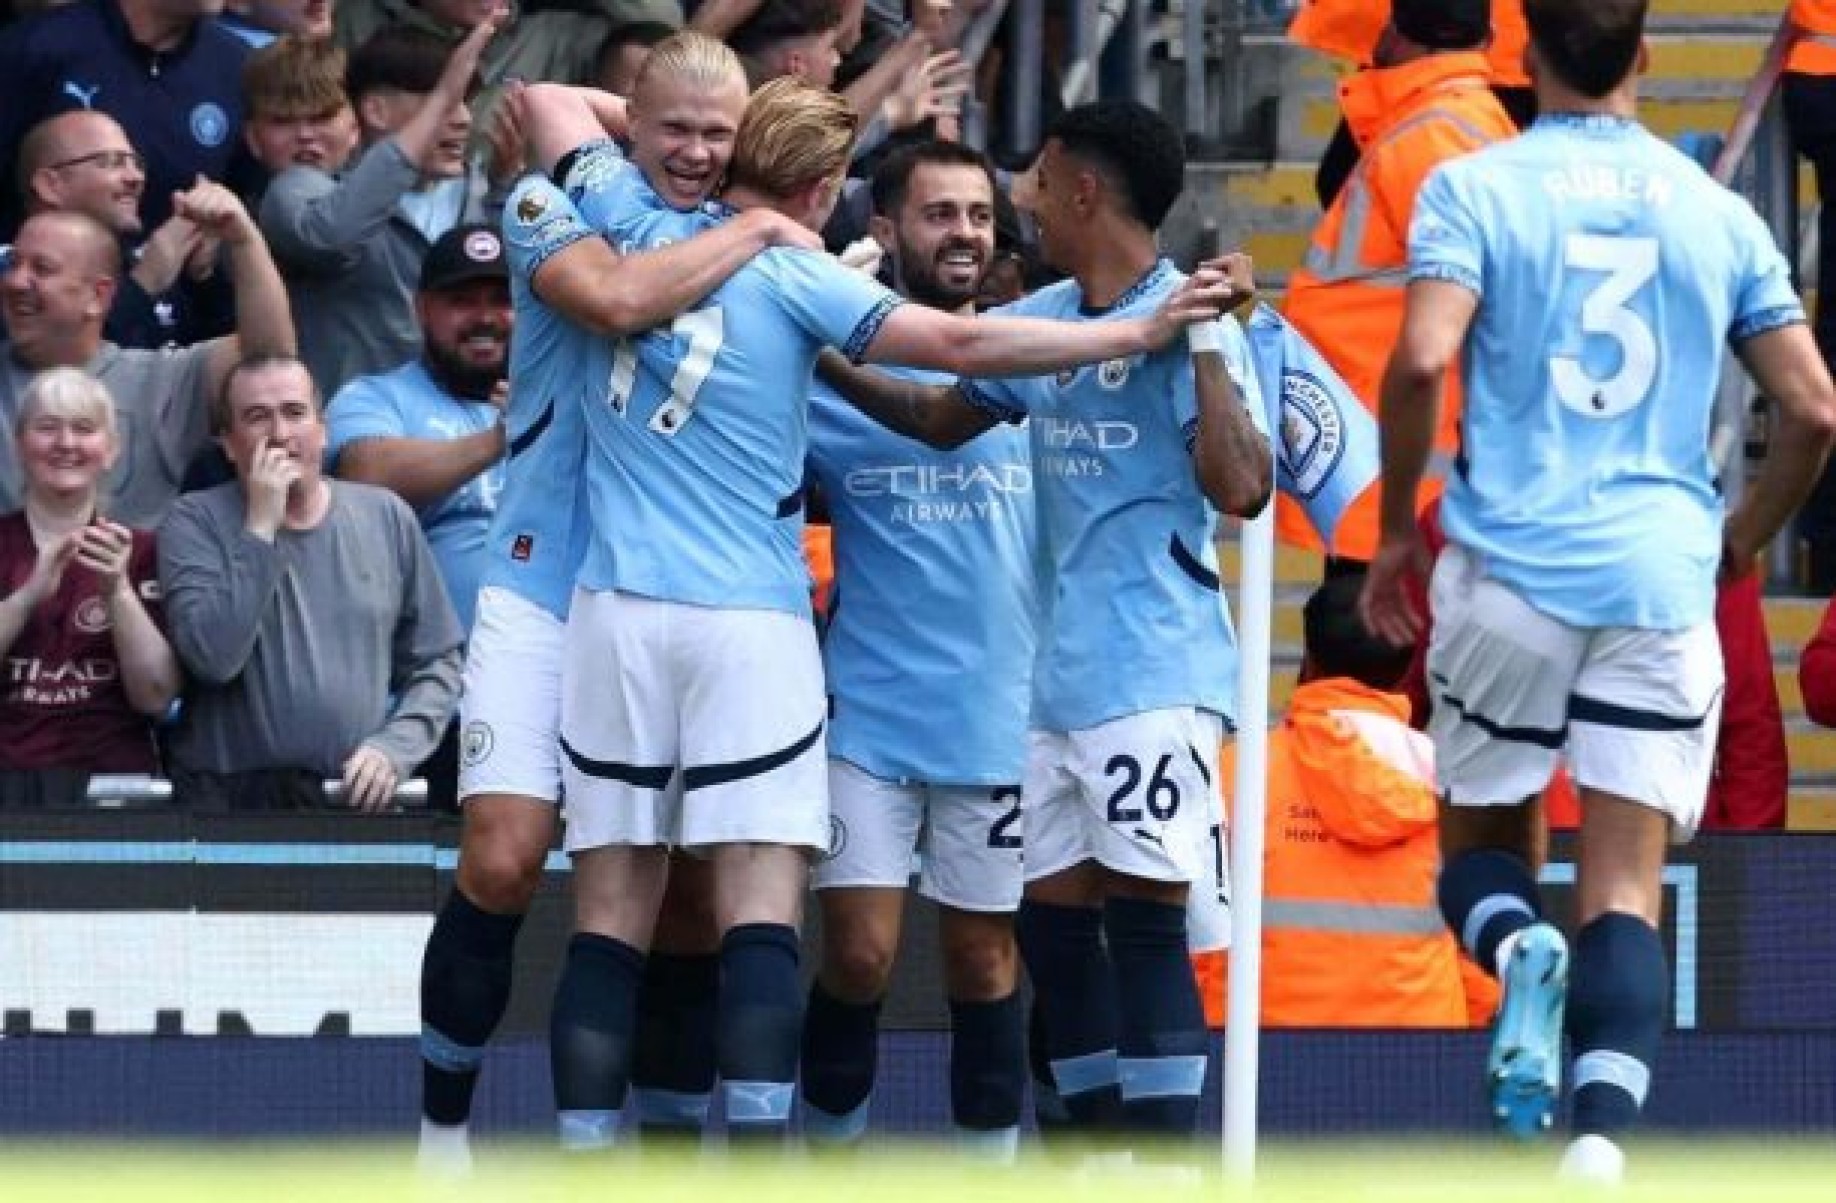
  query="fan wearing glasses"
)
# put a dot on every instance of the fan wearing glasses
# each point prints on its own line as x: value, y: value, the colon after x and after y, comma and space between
x: 174, y: 295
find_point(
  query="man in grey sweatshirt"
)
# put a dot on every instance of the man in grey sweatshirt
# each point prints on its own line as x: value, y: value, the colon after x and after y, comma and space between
x: 308, y: 613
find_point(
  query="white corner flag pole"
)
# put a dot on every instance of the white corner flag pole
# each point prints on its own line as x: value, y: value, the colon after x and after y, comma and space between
x: 1242, y: 1037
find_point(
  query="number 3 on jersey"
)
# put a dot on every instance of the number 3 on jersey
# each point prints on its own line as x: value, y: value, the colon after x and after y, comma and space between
x: 1629, y: 265
x: 706, y: 331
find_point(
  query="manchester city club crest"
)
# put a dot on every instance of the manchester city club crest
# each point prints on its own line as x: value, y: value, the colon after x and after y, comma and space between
x: 477, y: 742
x: 1312, y: 432
x: 1112, y: 374
x: 209, y: 124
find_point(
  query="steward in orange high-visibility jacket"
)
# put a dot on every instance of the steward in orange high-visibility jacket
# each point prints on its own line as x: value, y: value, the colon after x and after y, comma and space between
x: 1427, y: 107
x: 1352, y: 936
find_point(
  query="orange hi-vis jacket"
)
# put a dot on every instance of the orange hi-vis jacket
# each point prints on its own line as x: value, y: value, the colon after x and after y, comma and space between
x: 1815, y: 52
x: 1349, y: 29
x: 1348, y: 297
x: 1351, y: 933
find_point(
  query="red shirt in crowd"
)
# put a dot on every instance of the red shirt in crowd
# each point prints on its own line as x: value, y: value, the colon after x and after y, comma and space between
x: 1752, y: 775
x: 62, y: 703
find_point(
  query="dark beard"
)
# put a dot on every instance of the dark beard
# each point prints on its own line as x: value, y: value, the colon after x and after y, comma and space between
x: 453, y: 374
x: 918, y: 280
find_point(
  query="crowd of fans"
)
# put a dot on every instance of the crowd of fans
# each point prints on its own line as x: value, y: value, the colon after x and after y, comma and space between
x: 256, y: 325
x: 251, y: 265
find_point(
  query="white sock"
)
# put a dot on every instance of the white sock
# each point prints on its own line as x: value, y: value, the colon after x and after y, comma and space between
x: 445, y: 1150
x: 1593, y: 1161
x: 1506, y: 946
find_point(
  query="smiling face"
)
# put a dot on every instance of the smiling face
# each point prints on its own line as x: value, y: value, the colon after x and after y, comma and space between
x: 91, y: 167
x: 1058, y: 188
x: 466, y: 329
x: 943, y: 235
x: 66, y: 439
x: 682, y: 134
x: 56, y: 290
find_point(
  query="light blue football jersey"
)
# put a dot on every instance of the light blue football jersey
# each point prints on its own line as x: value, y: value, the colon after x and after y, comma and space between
x: 1612, y: 274
x: 929, y: 651
x: 696, y: 467
x: 539, y: 535
x: 560, y: 371
x: 1132, y: 617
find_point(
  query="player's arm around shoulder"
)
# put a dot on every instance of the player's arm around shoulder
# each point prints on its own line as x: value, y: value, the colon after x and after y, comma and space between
x: 938, y: 415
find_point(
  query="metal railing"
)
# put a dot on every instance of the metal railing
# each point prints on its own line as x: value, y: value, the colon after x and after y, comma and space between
x: 130, y: 791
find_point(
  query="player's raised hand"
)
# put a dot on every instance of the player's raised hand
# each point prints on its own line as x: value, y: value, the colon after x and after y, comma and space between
x: 1239, y: 270
x: 1201, y: 297
x: 1386, y: 605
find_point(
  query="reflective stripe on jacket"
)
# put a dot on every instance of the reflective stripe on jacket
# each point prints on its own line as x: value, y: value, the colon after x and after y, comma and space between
x: 1351, y: 933
x: 1348, y: 297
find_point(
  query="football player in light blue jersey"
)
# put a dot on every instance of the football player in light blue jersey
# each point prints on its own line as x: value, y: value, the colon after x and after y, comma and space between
x: 1136, y: 664
x: 573, y: 291
x: 693, y: 709
x: 1588, y: 278
x: 929, y: 658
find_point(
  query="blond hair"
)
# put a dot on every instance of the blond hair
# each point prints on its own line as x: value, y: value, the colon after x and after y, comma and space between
x: 70, y: 394
x: 690, y: 58
x: 793, y: 135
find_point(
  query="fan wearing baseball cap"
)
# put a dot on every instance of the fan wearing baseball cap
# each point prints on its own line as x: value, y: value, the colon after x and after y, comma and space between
x: 431, y: 431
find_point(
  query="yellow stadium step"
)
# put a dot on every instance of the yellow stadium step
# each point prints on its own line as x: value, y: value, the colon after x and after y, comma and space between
x: 1293, y: 566
x: 1812, y: 750
x: 1694, y: 59
x: 1792, y: 621
x: 1811, y: 809
x: 1662, y: 9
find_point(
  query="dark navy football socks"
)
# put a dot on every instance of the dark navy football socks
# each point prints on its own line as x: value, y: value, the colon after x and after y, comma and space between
x: 760, y: 1022
x: 840, y: 1059
x: 1618, y: 987
x: 1075, y: 994
x: 1486, y: 897
x: 672, y: 1065
x: 1161, y: 1042
x: 988, y: 1074
x: 465, y: 986
x: 590, y: 1033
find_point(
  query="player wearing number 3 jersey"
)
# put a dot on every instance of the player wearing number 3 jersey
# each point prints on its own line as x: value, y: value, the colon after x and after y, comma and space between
x: 1589, y: 277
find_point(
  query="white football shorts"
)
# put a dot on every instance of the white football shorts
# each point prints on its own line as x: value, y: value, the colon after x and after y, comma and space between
x: 1137, y: 795
x: 510, y: 705
x: 1637, y: 711
x: 692, y: 726
x: 967, y: 838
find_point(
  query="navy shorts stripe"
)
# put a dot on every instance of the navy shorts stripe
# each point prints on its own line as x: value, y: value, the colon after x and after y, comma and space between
x: 1607, y: 714
x: 1537, y: 736
x: 705, y: 775
x: 642, y: 776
